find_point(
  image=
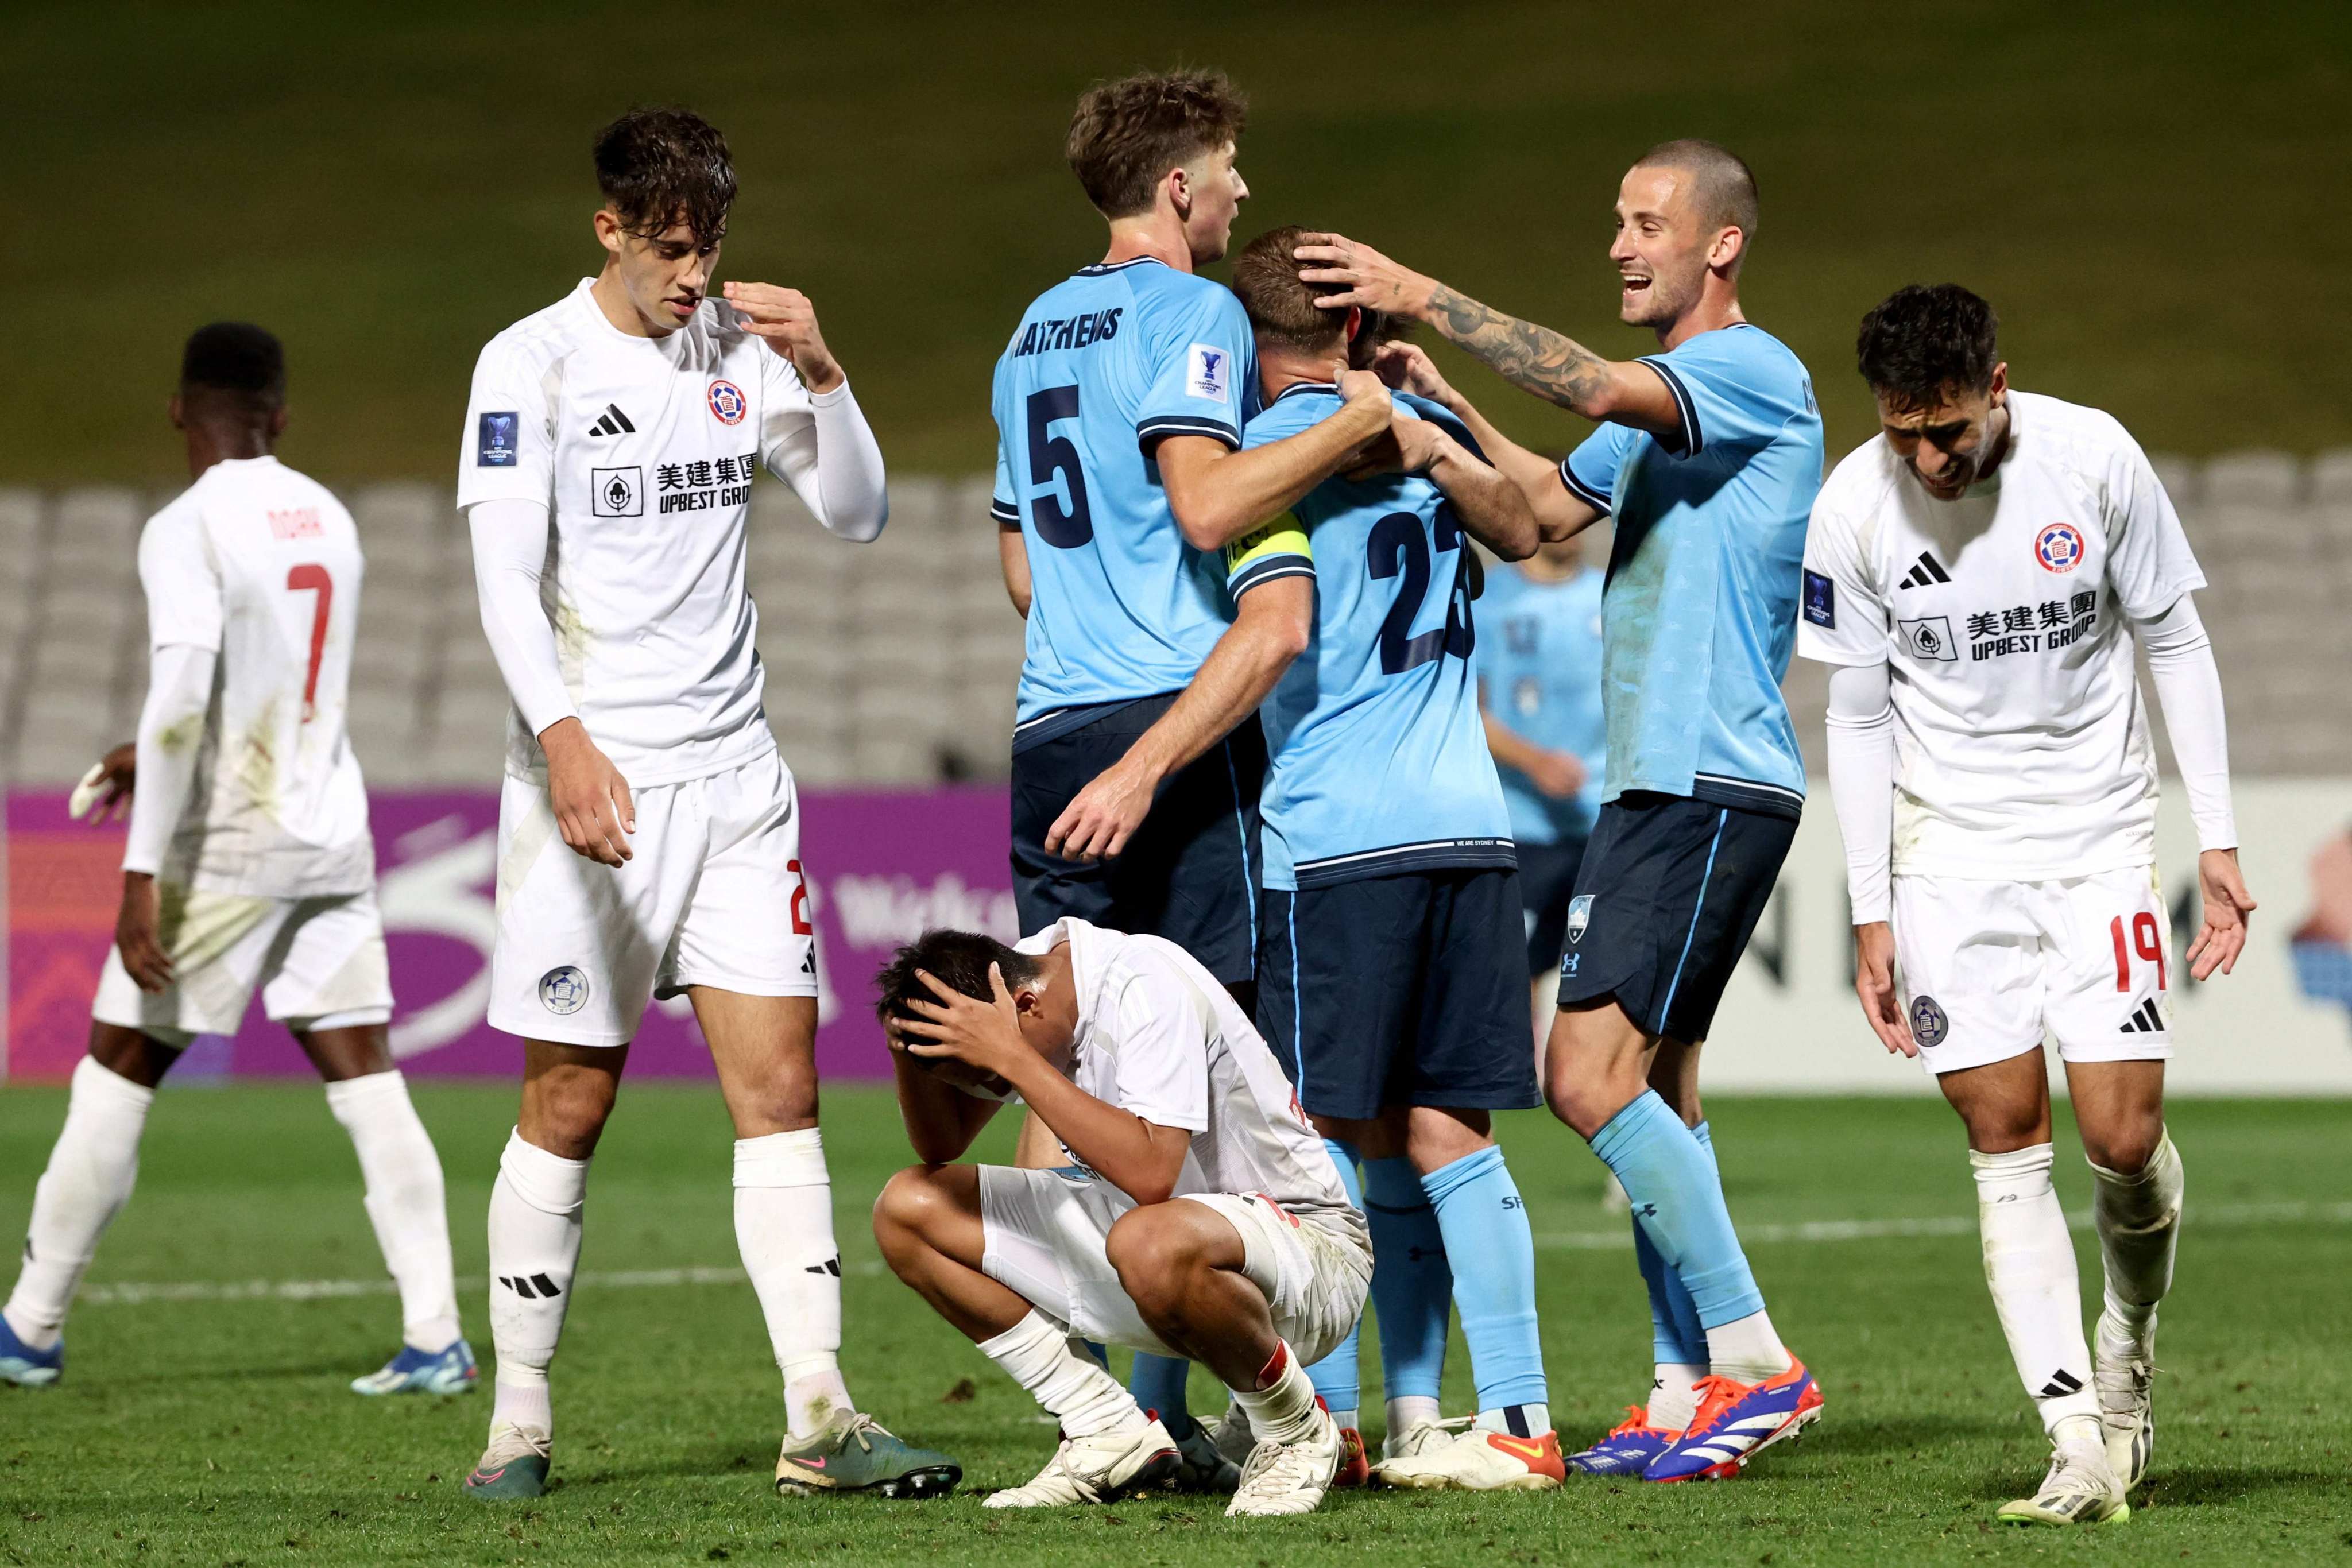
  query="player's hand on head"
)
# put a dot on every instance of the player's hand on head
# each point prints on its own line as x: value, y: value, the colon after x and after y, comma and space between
x: 591, y: 800
x: 786, y: 319
x: 2222, y: 935
x: 1365, y: 276
x: 136, y: 936
x: 1101, y: 818
x: 1873, y: 983
x: 949, y: 1025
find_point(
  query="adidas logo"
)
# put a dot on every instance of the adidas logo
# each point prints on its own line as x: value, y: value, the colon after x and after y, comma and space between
x: 521, y: 1285
x: 1926, y: 572
x: 2147, y: 1020
x: 2061, y: 1384
x: 830, y: 1266
x: 612, y: 422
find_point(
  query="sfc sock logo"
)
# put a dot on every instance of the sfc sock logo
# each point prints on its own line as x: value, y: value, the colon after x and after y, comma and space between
x: 563, y: 991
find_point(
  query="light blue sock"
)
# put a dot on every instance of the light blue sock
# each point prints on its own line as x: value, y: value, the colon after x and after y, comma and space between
x: 1494, y: 1258
x: 1674, y: 1332
x: 1412, y: 1284
x: 1337, y: 1377
x: 1677, y: 1201
x: 1158, y: 1383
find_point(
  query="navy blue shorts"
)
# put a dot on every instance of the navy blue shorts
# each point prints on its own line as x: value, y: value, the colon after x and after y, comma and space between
x: 1189, y: 874
x: 1669, y: 893
x: 1400, y: 990
x: 1547, y: 881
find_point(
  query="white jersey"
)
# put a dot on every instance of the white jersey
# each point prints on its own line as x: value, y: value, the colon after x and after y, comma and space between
x: 261, y: 565
x: 1157, y: 1036
x: 645, y: 450
x: 2021, y: 743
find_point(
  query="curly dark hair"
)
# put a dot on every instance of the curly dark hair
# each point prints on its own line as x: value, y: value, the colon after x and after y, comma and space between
x: 961, y: 959
x: 1925, y: 340
x: 1125, y: 134
x: 663, y: 166
x: 234, y: 362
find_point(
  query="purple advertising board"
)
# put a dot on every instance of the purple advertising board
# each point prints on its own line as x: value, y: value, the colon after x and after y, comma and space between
x: 883, y: 866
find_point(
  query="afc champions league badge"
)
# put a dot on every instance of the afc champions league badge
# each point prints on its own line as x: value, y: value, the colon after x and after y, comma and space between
x: 2059, y: 548
x: 726, y: 404
x: 563, y: 991
x: 1928, y: 1024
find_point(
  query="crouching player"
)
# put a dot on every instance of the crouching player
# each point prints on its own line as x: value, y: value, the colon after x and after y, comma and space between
x: 1204, y: 1218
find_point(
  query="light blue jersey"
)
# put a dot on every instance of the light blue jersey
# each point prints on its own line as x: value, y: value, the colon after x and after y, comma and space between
x: 1701, y: 608
x: 1378, y: 761
x: 1103, y: 365
x: 1539, y: 667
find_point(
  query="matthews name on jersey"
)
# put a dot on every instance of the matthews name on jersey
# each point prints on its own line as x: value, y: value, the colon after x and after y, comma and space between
x: 1379, y: 759
x: 1539, y: 661
x: 262, y: 565
x: 1701, y: 605
x: 2022, y: 749
x: 645, y: 449
x: 1103, y: 366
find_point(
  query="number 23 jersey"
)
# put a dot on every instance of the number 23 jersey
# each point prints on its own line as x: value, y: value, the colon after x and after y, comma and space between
x: 1377, y: 755
x: 2022, y: 744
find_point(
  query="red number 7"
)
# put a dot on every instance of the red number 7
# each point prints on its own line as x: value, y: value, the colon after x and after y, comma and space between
x: 311, y: 575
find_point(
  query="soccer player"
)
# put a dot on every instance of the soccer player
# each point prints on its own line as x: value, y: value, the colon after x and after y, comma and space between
x: 1978, y: 576
x: 1136, y: 754
x: 1539, y: 687
x: 249, y: 865
x: 1708, y: 456
x: 648, y: 830
x: 1389, y: 971
x: 1198, y: 1214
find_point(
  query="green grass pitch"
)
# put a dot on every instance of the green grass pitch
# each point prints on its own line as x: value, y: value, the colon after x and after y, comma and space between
x: 195, y: 1430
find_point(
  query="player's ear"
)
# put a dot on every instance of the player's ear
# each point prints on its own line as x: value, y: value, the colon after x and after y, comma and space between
x: 278, y: 418
x: 177, y: 412
x: 1180, y: 190
x: 1999, y: 388
x: 607, y: 223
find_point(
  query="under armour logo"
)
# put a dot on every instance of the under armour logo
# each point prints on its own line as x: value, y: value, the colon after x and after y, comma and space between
x: 522, y: 1285
x: 830, y: 1266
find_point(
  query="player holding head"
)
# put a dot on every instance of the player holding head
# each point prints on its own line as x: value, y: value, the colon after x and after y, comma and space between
x: 1389, y: 970
x: 1118, y: 401
x: 1539, y: 687
x: 648, y: 832
x: 1197, y: 1213
x: 249, y: 864
x: 1979, y: 575
x: 1709, y: 454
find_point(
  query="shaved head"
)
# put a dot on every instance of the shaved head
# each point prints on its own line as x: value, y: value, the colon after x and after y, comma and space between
x: 1722, y: 188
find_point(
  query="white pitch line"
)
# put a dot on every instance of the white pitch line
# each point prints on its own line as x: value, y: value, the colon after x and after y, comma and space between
x: 2233, y: 1216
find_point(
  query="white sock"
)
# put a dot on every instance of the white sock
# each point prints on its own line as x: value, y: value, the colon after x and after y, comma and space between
x: 2138, y: 1219
x: 784, y: 1227
x: 1284, y: 1411
x: 1518, y: 1420
x: 534, y: 1252
x: 1035, y: 1353
x: 2030, y: 1263
x: 404, y: 1201
x: 522, y: 1405
x: 1409, y: 1411
x: 91, y: 1170
x: 1748, y: 1350
x: 1673, y: 1396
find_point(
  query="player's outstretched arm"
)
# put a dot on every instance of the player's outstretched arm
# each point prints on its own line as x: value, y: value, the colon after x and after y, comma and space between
x: 1861, y: 787
x: 2189, y: 691
x: 1271, y: 628
x: 1559, y: 514
x: 1140, y: 1158
x: 1217, y: 495
x: 1549, y: 364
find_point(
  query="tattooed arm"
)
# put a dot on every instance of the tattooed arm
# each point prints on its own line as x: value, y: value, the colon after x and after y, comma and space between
x: 1554, y: 367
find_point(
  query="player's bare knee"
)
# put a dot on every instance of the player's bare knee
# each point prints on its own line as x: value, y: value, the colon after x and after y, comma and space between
x: 2126, y: 1150
x: 1156, y: 1254
x: 130, y: 1055
x: 904, y: 1213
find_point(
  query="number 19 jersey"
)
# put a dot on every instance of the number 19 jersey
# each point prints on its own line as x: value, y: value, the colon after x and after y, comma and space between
x: 1377, y: 755
x: 1103, y: 366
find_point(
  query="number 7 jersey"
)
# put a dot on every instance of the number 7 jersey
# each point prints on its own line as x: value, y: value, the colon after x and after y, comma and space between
x: 1104, y: 366
x: 261, y: 566
x: 1377, y: 755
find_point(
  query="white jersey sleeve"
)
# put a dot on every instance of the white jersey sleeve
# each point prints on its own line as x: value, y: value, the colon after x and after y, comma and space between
x: 508, y: 450
x: 1843, y: 615
x: 1163, y: 1052
x: 2149, y: 563
x: 182, y: 580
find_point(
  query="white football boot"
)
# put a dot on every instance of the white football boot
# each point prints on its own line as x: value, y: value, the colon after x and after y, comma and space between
x: 2081, y: 1487
x: 2122, y: 1370
x: 1103, y: 1468
x: 1289, y: 1477
x: 1464, y: 1457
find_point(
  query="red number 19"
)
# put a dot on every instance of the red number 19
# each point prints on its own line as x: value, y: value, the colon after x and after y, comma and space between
x: 311, y: 575
x: 2145, y: 940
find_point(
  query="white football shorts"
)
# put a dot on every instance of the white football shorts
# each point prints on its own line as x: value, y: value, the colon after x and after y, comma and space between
x: 713, y: 895
x: 319, y: 963
x: 1987, y: 969
x: 1046, y: 1237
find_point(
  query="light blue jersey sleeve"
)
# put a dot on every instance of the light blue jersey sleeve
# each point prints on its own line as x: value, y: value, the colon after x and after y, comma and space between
x: 1734, y: 389
x: 1279, y: 546
x: 1591, y: 471
x: 1199, y: 361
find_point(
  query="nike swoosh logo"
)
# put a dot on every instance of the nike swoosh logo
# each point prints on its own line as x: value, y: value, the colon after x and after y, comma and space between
x: 1523, y: 1449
